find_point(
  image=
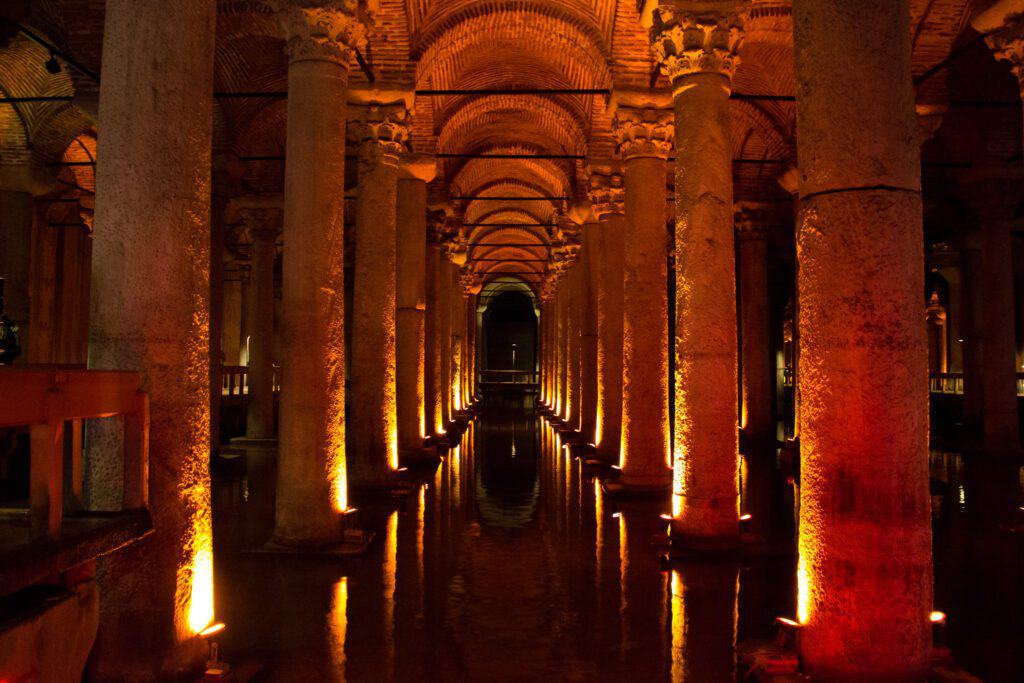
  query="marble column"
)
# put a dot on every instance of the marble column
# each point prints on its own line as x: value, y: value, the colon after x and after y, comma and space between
x: 434, y: 396
x: 381, y: 132
x: 411, y: 302
x: 263, y: 226
x: 545, y: 349
x: 756, y: 417
x: 697, y: 51
x: 990, y: 384
x: 149, y: 313
x: 231, y: 327
x: 455, y: 319
x: 607, y: 195
x: 865, y: 568
x: 644, y: 137
x: 562, y: 346
x: 444, y: 334
x: 590, y: 282
x: 312, y: 474
x: 573, y: 356
x: 17, y: 212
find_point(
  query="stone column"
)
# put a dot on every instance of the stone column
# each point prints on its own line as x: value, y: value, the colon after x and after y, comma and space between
x: 262, y: 223
x: 607, y: 195
x: 312, y: 476
x: 644, y: 137
x: 562, y: 346
x: 573, y: 356
x: 149, y: 313
x: 381, y: 132
x: 410, y: 302
x: 990, y: 387
x: 697, y: 51
x: 433, y: 366
x: 455, y: 318
x: 590, y: 282
x: 231, y: 327
x: 865, y: 568
x: 755, y: 354
x: 17, y: 212
x: 444, y: 334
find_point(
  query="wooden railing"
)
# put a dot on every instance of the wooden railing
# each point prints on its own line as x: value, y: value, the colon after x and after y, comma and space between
x: 46, y: 398
x: 953, y: 383
x: 234, y: 380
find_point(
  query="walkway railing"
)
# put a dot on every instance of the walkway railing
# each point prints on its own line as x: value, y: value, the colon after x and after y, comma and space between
x: 508, y: 377
x: 953, y: 383
x: 234, y: 380
x: 46, y: 399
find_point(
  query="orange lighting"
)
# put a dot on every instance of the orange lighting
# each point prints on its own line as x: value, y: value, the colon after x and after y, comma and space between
x: 666, y: 517
x: 783, y: 621
x: 746, y: 518
x: 337, y: 626
x: 803, y: 595
x: 200, y: 606
x: 937, y: 617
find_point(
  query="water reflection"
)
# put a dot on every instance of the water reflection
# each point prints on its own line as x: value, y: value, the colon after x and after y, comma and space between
x: 509, y: 562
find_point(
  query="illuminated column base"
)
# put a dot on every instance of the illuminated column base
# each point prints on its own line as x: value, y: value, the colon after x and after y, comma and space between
x: 865, y: 565
x: 149, y: 313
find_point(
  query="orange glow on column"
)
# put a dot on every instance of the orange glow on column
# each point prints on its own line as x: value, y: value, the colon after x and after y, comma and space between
x: 678, y: 626
x: 200, y: 574
x: 803, y: 596
x: 337, y: 472
x: 390, y: 574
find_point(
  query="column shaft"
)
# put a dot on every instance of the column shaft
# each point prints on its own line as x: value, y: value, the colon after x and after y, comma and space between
x: 865, y: 570
x: 573, y: 320
x: 372, y: 406
x: 411, y: 305
x: 434, y: 365
x: 444, y: 332
x: 312, y: 472
x: 612, y: 227
x: 17, y: 212
x: 644, y: 453
x: 149, y: 313
x: 756, y: 416
x: 590, y: 282
x: 260, y: 409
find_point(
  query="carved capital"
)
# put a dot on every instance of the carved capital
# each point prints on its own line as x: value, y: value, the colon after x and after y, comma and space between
x: 323, y: 30
x: 262, y: 223
x: 607, y: 194
x: 1008, y: 45
x: 381, y: 133
x: 751, y: 221
x: 687, y: 42
x: 644, y: 132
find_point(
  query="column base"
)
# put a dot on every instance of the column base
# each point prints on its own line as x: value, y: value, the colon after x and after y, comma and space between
x: 423, y: 454
x: 625, y: 490
x: 353, y: 542
x: 688, y: 546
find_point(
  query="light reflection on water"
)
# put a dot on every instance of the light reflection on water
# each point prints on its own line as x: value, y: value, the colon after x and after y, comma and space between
x: 509, y: 563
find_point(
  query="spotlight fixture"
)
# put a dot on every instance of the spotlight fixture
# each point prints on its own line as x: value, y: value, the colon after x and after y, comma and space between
x: 52, y: 65
x: 937, y: 617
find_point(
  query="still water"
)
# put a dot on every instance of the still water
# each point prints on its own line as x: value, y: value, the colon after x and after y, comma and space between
x: 508, y: 563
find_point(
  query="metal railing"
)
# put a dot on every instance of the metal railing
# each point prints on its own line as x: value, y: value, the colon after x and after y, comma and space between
x: 508, y: 377
x: 953, y: 383
x: 234, y: 380
x: 46, y: 398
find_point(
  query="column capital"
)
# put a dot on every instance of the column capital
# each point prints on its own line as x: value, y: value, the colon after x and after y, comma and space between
x: 381, y: 132
x: 751, y: 221
x: 690, y: 38
x: 262, y: 223
x: 323, y: 30
x: 418, y: 167
x: 607, y: 194
x: 1007, y: 44
x: 643, y: 132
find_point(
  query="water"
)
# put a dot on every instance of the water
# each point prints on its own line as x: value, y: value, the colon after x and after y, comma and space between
x: 509, y: 564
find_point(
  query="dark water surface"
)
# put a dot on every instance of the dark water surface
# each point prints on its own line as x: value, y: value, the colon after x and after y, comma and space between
x: 509, y: 564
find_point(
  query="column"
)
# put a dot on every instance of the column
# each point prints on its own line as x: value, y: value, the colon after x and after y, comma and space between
x: 411, y: 303
x: 231, y: 328
x: 865, y: 568
x: 374, y: 438
x: 697, y: 51
x: 262, y: 224
x: 607, y: 195
x: 455, y: 319
x: 312, y: 476
x: 756, y: 417
x: 444, y: 334
x: 990, y: 383
x: 562, y: 346
x: 433, y: 365
x: 644, y: 136
x: 17, y: 211
x: 590, y: 282
x: 149, y: 313
x: 573, y: 356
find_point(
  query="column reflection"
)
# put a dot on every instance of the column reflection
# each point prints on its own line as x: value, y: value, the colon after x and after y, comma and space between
x: 703, y: 600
